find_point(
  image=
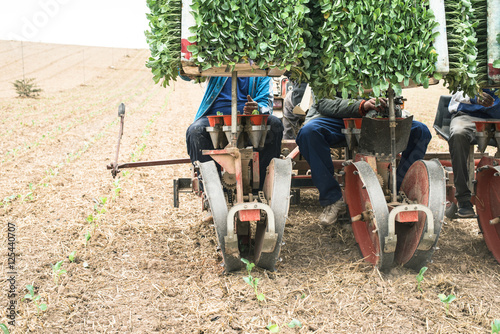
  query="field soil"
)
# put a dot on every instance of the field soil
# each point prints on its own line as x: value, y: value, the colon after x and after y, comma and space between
x: 143, y: 266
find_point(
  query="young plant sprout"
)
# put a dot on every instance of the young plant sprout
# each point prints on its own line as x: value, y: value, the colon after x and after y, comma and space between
x: 4, y: 329
x: 495, y: 326
x: 420, y: 277
x: 57, y: 271
x: 35, y: 299
x: 446, y: 300
x: 253, y: 282
x: 273, y: 328
x: 72, y: 256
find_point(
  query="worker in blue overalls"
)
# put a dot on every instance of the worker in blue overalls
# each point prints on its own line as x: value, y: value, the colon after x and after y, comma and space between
x: 323, y: 129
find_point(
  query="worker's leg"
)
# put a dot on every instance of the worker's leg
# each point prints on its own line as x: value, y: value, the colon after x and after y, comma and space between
x: 315, y: 139
x: 420, y: 136
x: 272, y: 146
x: 198, y: 139
x: 290, y: 120
x: 462, y: 131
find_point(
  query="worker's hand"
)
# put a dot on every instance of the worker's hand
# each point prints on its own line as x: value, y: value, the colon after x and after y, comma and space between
x: 371, y: 104
x: 250, y: 106
x: 485, y: 99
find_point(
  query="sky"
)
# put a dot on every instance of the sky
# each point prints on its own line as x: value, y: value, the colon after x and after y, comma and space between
x: 109, y: 23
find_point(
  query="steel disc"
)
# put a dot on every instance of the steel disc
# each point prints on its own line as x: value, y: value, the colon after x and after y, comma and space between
x: 364, y: 194
x: 425, y: 184
x: 213, y: 190
x: 488, y: 206
x: 277, y: 192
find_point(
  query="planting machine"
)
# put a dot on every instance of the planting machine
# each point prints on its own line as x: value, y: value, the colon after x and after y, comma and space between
x: 484, y: 175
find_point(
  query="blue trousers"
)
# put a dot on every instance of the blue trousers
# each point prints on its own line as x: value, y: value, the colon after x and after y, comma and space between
x: 319, y: 134
x: 198, y: 139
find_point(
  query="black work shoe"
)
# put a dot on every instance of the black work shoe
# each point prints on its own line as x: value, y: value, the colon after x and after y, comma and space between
x: 465, y: 210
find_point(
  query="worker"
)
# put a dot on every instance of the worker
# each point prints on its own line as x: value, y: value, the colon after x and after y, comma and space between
x: 291, y: 121
x: 323, y: 129
x: 465, y: 111
x: 253, y: 93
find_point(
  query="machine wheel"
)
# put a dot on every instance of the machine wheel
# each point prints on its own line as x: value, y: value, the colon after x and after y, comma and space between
x: 277, y: 192
x: 424, y: 183
x: 217, y: 201
x: 451, y: 210
x: 488, y: 206
x: 364, y: 194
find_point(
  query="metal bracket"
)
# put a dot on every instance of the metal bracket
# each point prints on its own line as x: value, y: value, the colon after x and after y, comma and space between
x: 429, y: 236
x: 270, y: 236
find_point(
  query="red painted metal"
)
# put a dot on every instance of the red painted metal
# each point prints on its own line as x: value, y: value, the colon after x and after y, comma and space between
x: 255, y: 170
x: 407, y: 217
x: 249, y: 215
x: 359, y: 201
x: 416, y: 187
x: 487, y: 201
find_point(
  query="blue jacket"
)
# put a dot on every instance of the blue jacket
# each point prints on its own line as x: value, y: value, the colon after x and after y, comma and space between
x: 260, y: 89
x: 462, y: 103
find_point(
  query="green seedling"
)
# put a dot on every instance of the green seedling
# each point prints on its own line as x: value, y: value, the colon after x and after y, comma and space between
x: 446, y: 300
x: 294, y: 323
x: 253, y: 282
x: 4, y: 329
x: 72, y: 256
x: 495, y: 326
x: 87, y: 237
x: 273, y: 328
x: 90, y: 218
x: 35, y: 299
x: 220, y: 113
x: 57, y: 271
x: 420, y: 277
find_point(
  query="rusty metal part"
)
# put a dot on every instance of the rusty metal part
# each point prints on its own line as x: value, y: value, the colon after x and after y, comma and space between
x: 149, y: 163
x: 228, y: 180
x: 363, y: 193
x: 121, y: 114
x: 487, y: 201
x: 277, y: 193
x: 424, y: 186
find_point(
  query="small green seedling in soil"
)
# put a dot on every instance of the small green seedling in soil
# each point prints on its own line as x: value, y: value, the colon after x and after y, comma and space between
x: 90, y: 218
x: 447, y: 300
x: 273, y: 328
x: 253, y: 282
x: 294, y: 323
x: 57, y: 271
x: 87, y: 237
x: 4, y: 329
x: 495, y: 326
x: 72, y: 256
x: 35, y: 299
x: 420, y: 277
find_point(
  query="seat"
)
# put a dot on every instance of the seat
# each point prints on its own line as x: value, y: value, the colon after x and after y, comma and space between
x: 443, y: 118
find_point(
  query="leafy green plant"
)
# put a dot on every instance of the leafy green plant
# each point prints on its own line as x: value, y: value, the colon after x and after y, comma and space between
x: 57, y: 271
x: 358, y: 45
x: 4, y: 329
x: 446, y: 300
x: 88, y: 235
x: 495, y: 326
x: 35, y: 299
x: 294, y: 323
x: 462, y: 47
x: 269, y: 34
x: 253, y: 282
x: 72, y: 256
x: 420, y: 277
x: 27, y: 88
x: 273, y: 328
x: 164, y: 39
